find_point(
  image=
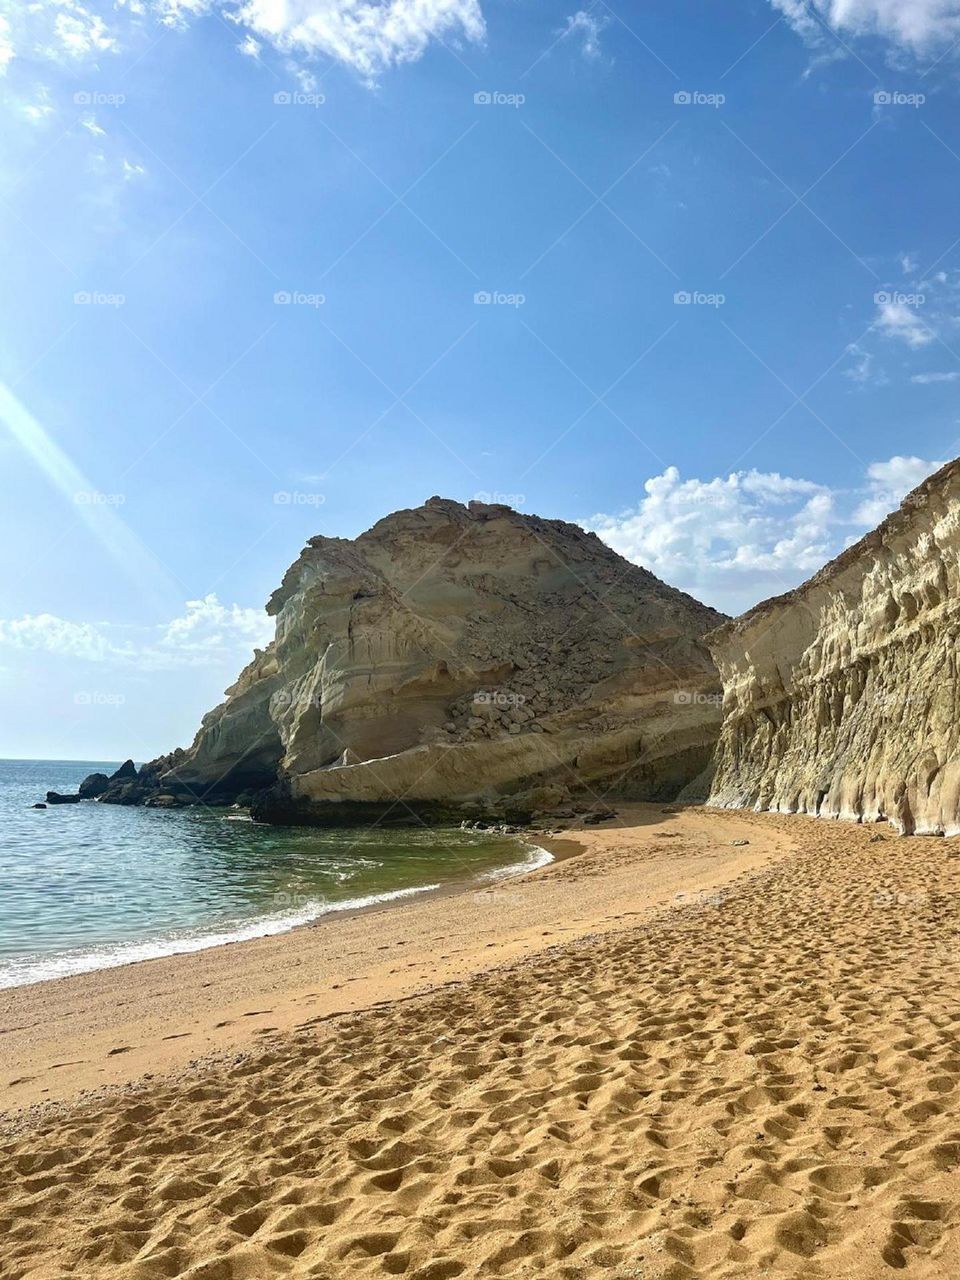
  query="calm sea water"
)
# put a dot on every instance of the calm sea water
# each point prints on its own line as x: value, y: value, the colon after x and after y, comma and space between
x: 90, y: 886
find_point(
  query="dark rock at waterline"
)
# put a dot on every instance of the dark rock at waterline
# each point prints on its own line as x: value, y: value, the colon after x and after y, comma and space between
x: 94, y: 784
x: 126, y: 791
x: 55, y: 797
x: 38, y: 806
x: 127, y: 770
x: 276, y: 805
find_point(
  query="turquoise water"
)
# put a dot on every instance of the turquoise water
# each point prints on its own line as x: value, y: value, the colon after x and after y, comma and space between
x: 90, y: 886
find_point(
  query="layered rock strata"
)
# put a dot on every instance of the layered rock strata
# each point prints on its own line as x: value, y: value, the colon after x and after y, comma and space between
x: 457, y: 659
x: 841, y: 698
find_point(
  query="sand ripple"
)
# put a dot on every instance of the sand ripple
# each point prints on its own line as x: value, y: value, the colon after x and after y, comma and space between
x: 763, y: 1083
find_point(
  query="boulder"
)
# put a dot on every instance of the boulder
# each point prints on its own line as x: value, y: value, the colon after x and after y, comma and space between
x: 94, y: 784
x: 127, y: 770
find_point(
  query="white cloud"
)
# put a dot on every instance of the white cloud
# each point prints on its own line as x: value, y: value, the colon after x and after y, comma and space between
x: 89, y: 123
x: 369, y: 37
x: 900, y: 320
x: 733, y: 540
x: 206, y: 632
x: 863, y: 370
x: 586, y: 27
x: 131, y: 170
x: 77, y: 32
x: 924, y: 379
x: 914, y: 24
x: 888, y: 483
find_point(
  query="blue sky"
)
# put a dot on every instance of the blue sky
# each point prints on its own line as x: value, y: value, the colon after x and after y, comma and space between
x: 685, y: 273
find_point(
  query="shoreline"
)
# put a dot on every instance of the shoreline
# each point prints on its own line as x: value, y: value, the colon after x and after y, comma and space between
x: 77, y: 1034
x: 225, y: 934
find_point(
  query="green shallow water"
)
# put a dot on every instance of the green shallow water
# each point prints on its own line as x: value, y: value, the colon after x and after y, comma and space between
x: 92, y: 886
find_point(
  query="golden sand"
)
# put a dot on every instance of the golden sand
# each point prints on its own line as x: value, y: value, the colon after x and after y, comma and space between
x: 755, y: 1079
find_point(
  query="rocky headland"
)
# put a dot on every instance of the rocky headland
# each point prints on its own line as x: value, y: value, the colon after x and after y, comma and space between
x: 841, y: 697
x: 453, y: 661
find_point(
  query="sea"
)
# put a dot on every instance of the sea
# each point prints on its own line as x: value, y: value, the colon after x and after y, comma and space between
x: 92, y: 886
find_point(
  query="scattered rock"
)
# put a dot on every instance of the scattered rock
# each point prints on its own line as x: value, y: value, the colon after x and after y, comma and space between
x: 38, y: 806
x: 598, y: 815
x: 56, y: 797
x: 738, y: 843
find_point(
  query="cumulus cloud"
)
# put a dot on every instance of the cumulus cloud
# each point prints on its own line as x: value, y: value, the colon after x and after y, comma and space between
x: 888, y: 483
x: 732, y: 540
x: 914, y: 24
x: 367, y: 35
x: 207, y: 631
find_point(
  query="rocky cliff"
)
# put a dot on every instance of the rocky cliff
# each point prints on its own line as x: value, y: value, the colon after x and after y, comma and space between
x: 458, y: 656
x: 841, y: 698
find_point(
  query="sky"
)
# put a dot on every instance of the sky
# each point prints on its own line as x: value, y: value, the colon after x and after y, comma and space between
x: 685, y: 273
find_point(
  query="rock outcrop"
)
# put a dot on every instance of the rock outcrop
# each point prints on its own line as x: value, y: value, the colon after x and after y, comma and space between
x: 93, y: 785
x: 841, y: 698
x: 456, y: 659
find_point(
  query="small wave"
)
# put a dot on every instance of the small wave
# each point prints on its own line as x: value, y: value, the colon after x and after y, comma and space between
x: 20, y: 973
x: 534, y: 858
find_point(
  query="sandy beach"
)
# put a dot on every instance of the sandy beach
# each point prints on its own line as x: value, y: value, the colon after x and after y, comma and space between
x: 668, y: 1055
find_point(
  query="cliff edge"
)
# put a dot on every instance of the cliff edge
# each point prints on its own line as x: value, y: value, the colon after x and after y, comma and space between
x: 841, y: 697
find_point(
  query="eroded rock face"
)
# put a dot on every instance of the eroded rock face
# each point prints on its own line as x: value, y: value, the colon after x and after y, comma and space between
x: 455, y: 656
x: 841, y: 698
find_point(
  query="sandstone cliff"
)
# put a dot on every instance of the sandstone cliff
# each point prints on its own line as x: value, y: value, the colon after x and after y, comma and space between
x: 459, y: 656
x: 841, y: 698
